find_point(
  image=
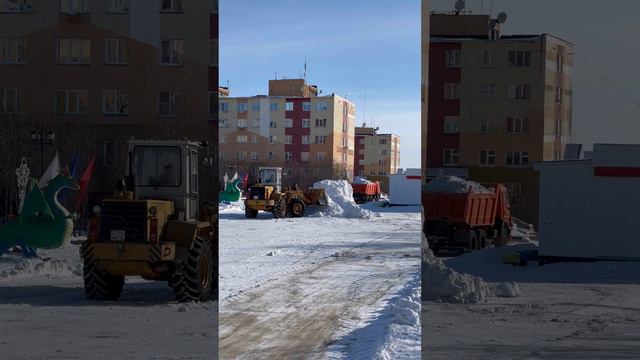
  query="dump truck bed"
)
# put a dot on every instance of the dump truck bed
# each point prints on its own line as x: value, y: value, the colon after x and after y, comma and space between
x: 366, y: 189
x: 470, y: 209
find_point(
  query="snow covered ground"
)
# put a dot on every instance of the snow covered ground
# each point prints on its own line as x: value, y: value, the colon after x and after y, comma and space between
x: 320, y: 286
x: 564, y: 311
x: 44, y: 315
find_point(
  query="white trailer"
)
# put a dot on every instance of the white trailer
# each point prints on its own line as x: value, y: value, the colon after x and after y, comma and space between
x: 404, y: 187
x: 589, y: 209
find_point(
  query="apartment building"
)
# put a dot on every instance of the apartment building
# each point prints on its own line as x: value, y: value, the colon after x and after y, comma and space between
x: 310, y: 136
x: 375, y: 154
x: 497, y: 103
x: 99, y: 72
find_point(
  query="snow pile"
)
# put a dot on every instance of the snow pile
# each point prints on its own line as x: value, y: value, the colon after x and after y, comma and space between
x: 506, y: 289
x: 453, y: 184
x: 231, y: 207
x: 360, y: 180
x: 441, y: 283
x: 38, y: 267
x: 340, y: 200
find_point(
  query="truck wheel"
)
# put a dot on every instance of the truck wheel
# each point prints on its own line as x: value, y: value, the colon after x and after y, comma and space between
x: 296, y: 208
x: 194, y: 278
x: 250, y: 213
x: 473, y: 240
x: 280, y: 210
x: 482, y: 240
x: 100, y: 285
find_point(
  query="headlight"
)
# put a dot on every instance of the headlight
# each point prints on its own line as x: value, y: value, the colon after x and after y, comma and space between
x: 153, y: 211
x: 97, y: 210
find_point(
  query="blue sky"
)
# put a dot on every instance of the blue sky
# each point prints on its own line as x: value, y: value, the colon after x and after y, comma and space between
x: 351, y: 47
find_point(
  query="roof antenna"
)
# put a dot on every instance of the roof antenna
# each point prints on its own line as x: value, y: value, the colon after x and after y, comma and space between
x: 305, y: 68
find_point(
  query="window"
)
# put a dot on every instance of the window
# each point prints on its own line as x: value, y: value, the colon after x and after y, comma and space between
x: 115, y: 51
x: 242, y: 123
x: 559, y: 94
x: 109, y: 153
x: 271, y: 156
x: 517, y: 158
x: 254, y: 155
x: 383, y: 151
x: 344, y: 157
x: 321, y: 139
x: 558, y: 126
x: 117, y: 6
x: 320, y: 156
x: 171, y: 5
x: 382, y: 141
x: 487, y: 157
x: 488, y: 92
x: 12, y: 101
x: 520, y: 58
x: 305, y: 139
x: 241, y: 139
x: 382, y: 161
x: 321, y: 123
x: 345, y: 142
x: 451, y: 91
x: 361, y: 141
x: 451, y: 124
x: 74, y: 6
x: 171, y: 52
x: 519, y: 92
x: 242, y: 155
x: 13, y: 51
x: 224, y: 107
x: 114, y: 102
x: 288, y: 156
x: 306, y: 106
x: 517, y: 125
x: 273, y: 124
x: 450, y: 157
x: 169, y: 102
x: 306, y: 123
x: 273, y: 139
x: 254, y: 139
x: 223, y: 139
x: 288, y: 139
x: 221, y: 154
x: 288, y: 106
x: 304, y: 156
x: 15, y: 6
x: 556, y: 155
x: 273, y: 106
x: 322, y: 106
x: 485, y: 125
x: 213, y: 52
x: 223, y: 123
x: 74, y: 51
x: 560, y: 64
x: 288, y: 123
x: 71, y: 102
x: 488, y: 58
x: 452, y: 58
x: 241, y: 107
x: 213, y: 98
x: 255, y: 106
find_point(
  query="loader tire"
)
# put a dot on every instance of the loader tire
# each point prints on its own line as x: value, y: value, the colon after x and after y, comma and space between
x: 100, y: 285
x: 296, y: 207
x: 280, y: 210
x: 250, y: 213
x: 195, y: 278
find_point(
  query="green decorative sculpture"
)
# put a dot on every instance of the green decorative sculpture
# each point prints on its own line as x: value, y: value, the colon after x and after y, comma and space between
x: 42, y: 223
x: 232, y: 192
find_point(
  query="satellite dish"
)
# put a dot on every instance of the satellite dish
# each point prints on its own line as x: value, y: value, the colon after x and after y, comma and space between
x: 460, y: 5
x: 502, y: 17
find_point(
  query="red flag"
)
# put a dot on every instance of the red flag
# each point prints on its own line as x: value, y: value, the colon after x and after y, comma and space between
x: 84, y: 182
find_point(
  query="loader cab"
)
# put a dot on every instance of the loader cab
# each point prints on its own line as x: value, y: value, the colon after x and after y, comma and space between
x: 167, y: 170
x: 271, y: 176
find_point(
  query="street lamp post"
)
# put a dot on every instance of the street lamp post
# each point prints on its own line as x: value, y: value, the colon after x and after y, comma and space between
x: 42, y: 138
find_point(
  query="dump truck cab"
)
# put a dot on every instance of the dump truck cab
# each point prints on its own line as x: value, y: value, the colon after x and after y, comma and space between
x: 155, y: 225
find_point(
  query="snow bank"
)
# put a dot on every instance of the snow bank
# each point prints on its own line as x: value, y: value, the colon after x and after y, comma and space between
x: 340, y: 200
x: 231, y: 207
x: 453, y: 184
x: 506, y: 289
x: 360, y: 180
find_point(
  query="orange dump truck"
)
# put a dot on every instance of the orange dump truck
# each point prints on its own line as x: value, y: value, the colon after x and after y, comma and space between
x: 467, y: 221
x: 365, y: 192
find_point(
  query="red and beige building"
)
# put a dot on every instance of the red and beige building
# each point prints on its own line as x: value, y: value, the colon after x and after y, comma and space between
x: 375, y: 154
x: 310, y: 136
x: 497, y: 103
x: 98, y: 72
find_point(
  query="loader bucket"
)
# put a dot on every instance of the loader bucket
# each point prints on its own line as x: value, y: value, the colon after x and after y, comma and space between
x: 317, y: 197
